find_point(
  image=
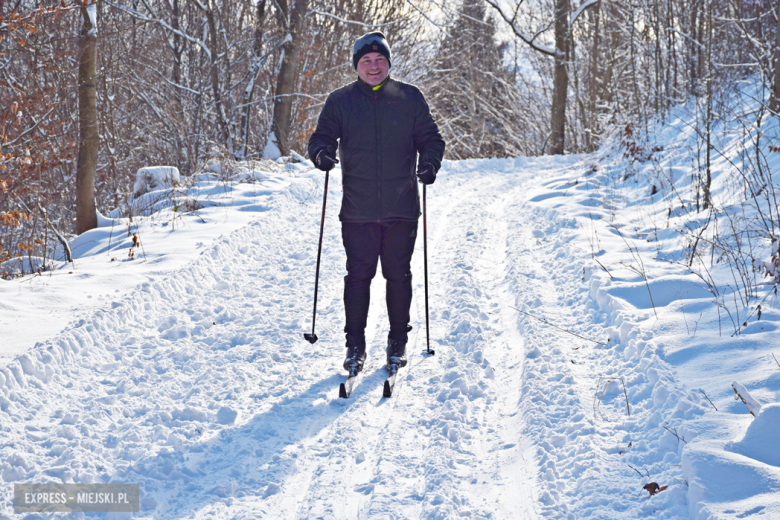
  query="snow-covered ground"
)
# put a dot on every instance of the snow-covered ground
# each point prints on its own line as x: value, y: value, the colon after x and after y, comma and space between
x: 185, y: 369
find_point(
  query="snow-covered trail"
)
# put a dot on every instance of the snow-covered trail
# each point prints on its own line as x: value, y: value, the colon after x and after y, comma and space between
x: 200, y: 387
x: 439, y: 447
x: 435, y: 449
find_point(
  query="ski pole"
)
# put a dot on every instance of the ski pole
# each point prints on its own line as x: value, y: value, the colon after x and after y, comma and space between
x: 312, y: 338
x: 425, y: 263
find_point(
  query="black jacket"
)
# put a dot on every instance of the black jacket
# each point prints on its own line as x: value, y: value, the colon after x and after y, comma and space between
x: 380, y: 133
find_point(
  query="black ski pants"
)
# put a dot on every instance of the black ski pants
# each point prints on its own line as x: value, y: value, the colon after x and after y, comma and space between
x: 365, y: 244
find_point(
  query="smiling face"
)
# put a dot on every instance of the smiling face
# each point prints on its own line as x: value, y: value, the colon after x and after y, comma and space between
x: 373, y: 68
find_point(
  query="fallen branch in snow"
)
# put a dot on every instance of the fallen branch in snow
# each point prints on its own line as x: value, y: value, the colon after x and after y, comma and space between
x: 708, y: 399
x: 640, y: 473
x: 741, y: 393
x: 597, y: 407
x: 605, y: 269
x: 544, y: 320
x: 673, y: 431
x: 776, y: 361
x: 602, y: 396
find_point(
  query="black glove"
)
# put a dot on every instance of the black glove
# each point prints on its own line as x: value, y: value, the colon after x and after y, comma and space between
x: 325, y: 159
x: 426, y: 173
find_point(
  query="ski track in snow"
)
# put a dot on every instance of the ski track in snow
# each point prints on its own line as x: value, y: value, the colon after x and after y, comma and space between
x: 200, y: 387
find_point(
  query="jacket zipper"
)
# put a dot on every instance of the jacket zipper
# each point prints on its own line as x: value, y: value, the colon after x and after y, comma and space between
x: 378, y: 151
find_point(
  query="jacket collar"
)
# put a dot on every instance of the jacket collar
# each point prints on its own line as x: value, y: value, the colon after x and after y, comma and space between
x: 369, y: 90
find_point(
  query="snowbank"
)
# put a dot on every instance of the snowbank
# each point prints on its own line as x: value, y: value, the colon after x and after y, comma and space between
x: 155, y: 177
x: 271, y: 150
x: 762, y: 438
x: 740, y: 476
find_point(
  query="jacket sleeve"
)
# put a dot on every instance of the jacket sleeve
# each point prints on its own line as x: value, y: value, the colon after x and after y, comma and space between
x: 328, y: 129
x: 427, y: 138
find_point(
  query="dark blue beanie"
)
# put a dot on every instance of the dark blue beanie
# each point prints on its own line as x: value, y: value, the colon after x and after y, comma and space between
x: 371, y: 42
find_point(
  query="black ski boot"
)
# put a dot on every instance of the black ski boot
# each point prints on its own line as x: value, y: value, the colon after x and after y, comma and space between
x: 396, y: 353
x: 356, y: 356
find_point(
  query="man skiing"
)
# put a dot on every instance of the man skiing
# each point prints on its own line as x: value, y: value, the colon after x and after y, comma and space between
x: 380, y: 125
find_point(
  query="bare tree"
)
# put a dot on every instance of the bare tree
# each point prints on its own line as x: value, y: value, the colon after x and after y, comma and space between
x: 472, y: 94
x: 562, y: 24
x: 214, y: 57
x: 258, y: 60
x: 86, y: 215
x: 561, y: 78
x: 774, y: 104
x: 292, y: 18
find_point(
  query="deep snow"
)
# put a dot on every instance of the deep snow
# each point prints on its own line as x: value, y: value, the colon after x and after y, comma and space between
x: 185, y: 370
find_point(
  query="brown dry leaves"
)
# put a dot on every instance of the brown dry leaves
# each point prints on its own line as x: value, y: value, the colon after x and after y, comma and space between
x: 653, y: 488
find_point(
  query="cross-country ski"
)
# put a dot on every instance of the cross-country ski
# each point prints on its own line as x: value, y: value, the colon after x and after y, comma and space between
x: 346, y: 388
x: 389, y: 386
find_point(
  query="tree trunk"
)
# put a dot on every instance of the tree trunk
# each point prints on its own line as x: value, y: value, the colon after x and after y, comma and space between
x: 657, y: 55
x: 560, y: 80
x: 594, y: 77
x: 86, y: 213
x: 611, y: 41
x: 214, y: 76
x: 708, y: 172
x: 176, y: 73
x: 254, y: 72
x: 671, y: 46
x: 774, y: 102
x: 285, y: 84
x: 700, y: 60
x: 176, y: 78
x: 694, y: 49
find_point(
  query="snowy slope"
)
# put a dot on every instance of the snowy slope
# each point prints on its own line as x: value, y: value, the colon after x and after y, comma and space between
x: 194, y: 380
x: 35, y: 308
x: 693, y: 313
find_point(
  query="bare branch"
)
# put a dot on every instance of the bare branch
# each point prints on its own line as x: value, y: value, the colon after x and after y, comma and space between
x: 344, y: 20
x: 544, y: 49
x: 139, y: 16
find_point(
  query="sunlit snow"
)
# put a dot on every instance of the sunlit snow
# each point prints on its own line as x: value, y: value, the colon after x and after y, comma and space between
x: 578, y: 358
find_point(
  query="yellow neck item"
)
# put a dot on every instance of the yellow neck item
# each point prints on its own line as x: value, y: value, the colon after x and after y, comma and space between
x: 379, y: 86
